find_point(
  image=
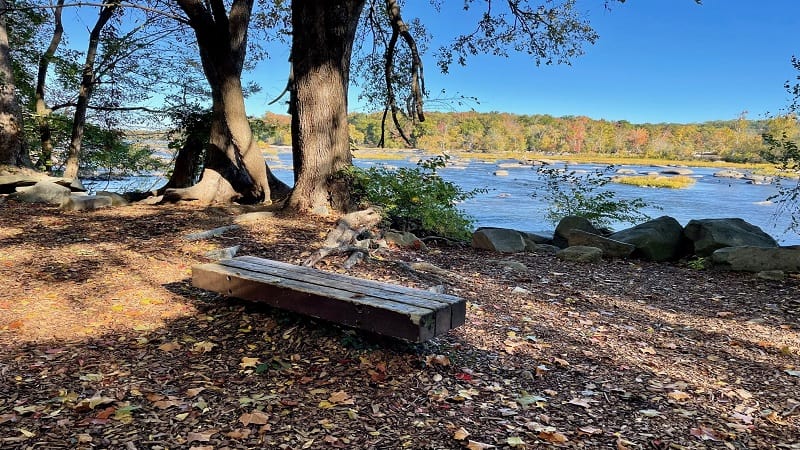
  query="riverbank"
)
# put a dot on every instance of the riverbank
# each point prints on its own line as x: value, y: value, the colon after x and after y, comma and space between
x: 763, y: 169
x: 103, y: 341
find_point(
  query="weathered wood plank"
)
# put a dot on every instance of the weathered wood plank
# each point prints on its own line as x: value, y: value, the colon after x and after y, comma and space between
x: 443, y: 310
x: 458, y: 307
x: 375, y: 314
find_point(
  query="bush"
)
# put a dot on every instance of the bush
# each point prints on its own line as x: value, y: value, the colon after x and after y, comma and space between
x: 415, y: 199
x: 569, y: 193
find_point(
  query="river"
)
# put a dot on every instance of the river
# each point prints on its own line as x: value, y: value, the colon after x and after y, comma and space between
x: 509, y: 203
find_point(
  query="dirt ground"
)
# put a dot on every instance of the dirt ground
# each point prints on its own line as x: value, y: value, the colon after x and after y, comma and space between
x: 105, y: 344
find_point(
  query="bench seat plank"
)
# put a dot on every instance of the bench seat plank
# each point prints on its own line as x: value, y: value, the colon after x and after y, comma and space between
x: 411, y: 314
x: 447, y: 307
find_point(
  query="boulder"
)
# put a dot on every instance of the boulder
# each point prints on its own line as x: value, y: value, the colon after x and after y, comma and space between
x: 78, y: 202
x: 43, y: 192
x: 404, y: 239
x: 610, y: 247
x: 580, y: 253
x: 116, y: 199
x: 708, y: 235
x: 568, y: 224
x: 501, y: 173
x: 532, y: 240
x: 758, y: 259
x: 626, y: 171
x: 659, y: 239
x: 677, y: 171
x: 729, y: 173
x: 546, y: 249
x: 759, y: 179
x: 498, y: 240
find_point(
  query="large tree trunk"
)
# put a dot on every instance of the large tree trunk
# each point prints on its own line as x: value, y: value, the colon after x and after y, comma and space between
x: 42, y: 112
x: 234, y: 167
x: 12, y: 145
x: 85, y: 90
x: 322, y: 42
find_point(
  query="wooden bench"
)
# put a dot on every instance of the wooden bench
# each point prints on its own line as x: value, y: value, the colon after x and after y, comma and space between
x: 411, y: 314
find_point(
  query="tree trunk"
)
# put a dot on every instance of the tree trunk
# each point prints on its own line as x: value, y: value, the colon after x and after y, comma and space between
x: 187, y: 164
x: 42, y: 112
x: 322, y: 42
x: 85, y: 91
x: 234, y: 167
x: 12, y: 145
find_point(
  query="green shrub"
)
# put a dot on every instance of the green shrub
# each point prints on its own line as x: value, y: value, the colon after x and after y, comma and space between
x: 569, y: 193
x: 415, y: 199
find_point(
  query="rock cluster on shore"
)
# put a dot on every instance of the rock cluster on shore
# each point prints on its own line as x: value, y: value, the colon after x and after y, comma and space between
x: 729, y: 243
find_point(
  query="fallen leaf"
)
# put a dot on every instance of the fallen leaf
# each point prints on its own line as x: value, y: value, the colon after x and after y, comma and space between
x: 648, y: 350
x: 515, y: 441
x: 460, y: 434
x: 793, y: 373
x: 705, y: 434
x: 203, y: 347
x: 475, y: 445
x: 775, y: 418
x: 169, y: 346
x: 240, y: 433
x: 200, y: 436
x: 744, y: 418
x: 590, y: 430
x: 678, y: 395
x: 340, y: 398
x: 553, y: 437
x: 582, y: 402
x: 92, y: 403
x: 84, y: 438
x: 249, y: 362
x: 194, y: 391
x: 255, y: 417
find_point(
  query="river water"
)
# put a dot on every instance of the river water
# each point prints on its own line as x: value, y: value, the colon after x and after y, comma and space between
x: 509, y: 203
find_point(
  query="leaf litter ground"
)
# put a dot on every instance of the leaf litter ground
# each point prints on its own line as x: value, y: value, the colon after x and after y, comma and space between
x: 105, y: 344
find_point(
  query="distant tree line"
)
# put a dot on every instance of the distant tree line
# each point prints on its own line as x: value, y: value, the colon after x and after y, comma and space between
x: 737, y: 140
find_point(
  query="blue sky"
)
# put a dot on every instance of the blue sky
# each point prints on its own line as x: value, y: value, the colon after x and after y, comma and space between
x: 655, y: 61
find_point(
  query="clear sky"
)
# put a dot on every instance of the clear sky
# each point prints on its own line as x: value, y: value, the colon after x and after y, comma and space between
x: 655, y: 61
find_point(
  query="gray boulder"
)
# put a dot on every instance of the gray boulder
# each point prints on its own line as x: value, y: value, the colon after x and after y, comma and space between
x: 708, y: 235
x: 43, y: 192
x: 610, y: 247
x: 677, y: 171
x: 569, y: 223
x: 759, y: 179
x: 729, y: 173
x: 501, y: 173
x: 758, y: 259
x: 532, y: 240
x: 580, y: 253
x: 78, y: 202
x: 659, y: 239
x: 116, y: 199
x: 546, y: 249
x: 498, y: 240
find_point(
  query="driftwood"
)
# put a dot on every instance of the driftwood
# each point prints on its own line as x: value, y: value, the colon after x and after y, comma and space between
x: 341, y: 238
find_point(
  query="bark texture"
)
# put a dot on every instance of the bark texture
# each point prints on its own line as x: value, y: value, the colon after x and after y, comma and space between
x: 12, y: 145
x: 234, y: 167
x: 322, y: 43
x: 86, y: 89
